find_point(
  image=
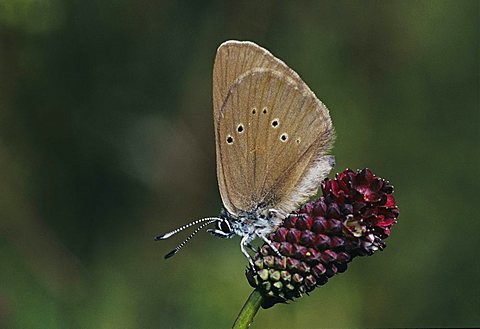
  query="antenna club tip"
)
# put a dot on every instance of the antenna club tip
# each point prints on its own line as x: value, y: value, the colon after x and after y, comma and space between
x: 159, y: 237
x: 170, y: 254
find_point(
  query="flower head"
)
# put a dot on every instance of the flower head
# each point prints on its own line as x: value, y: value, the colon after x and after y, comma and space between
x: 317, y: 241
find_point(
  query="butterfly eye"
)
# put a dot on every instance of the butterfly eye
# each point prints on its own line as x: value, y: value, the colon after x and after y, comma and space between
x: 224, y: 226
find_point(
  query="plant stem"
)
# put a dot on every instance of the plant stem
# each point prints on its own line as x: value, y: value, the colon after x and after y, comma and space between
x: 248, y: 311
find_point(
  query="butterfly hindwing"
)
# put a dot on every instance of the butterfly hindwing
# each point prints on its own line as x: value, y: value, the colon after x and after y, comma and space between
x: 272, y: 134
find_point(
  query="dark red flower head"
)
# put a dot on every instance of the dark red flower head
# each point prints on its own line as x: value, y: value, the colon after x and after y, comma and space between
x: 352, y: 219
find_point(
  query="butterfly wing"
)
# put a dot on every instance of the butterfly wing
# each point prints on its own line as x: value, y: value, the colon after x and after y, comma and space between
x: 272, y: 135
x: 233, y: 59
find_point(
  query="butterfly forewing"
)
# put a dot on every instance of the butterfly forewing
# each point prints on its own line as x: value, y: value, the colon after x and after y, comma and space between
x: 233, y: 59
x: 271, y: 135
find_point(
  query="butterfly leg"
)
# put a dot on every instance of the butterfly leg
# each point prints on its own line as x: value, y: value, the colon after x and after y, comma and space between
x: 252, y: 248
x: 270, y: 244
x: 244, y: 243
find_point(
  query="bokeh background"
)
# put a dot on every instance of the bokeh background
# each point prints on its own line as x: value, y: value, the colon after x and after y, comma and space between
x: 106, y: 139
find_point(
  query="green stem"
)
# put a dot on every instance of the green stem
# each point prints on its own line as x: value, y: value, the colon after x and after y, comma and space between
x: 248, y: 311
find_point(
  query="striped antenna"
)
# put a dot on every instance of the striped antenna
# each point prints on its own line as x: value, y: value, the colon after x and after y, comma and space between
x: 169, y: 234
x: 180, y: 246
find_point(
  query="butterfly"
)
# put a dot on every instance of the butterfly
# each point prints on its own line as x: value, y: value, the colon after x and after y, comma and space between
x: 272, y: 136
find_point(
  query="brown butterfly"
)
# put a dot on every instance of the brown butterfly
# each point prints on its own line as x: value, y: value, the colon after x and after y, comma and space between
x: 272, y: 135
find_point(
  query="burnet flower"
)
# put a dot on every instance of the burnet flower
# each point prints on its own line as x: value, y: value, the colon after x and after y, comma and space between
x: 352, y: 218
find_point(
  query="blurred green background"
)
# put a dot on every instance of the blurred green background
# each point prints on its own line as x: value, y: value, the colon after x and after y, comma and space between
x: 106, y: 139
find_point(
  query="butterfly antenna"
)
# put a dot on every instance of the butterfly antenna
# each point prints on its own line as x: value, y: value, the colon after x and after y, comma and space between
x: 180, y: 246
x: 169, y: 234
